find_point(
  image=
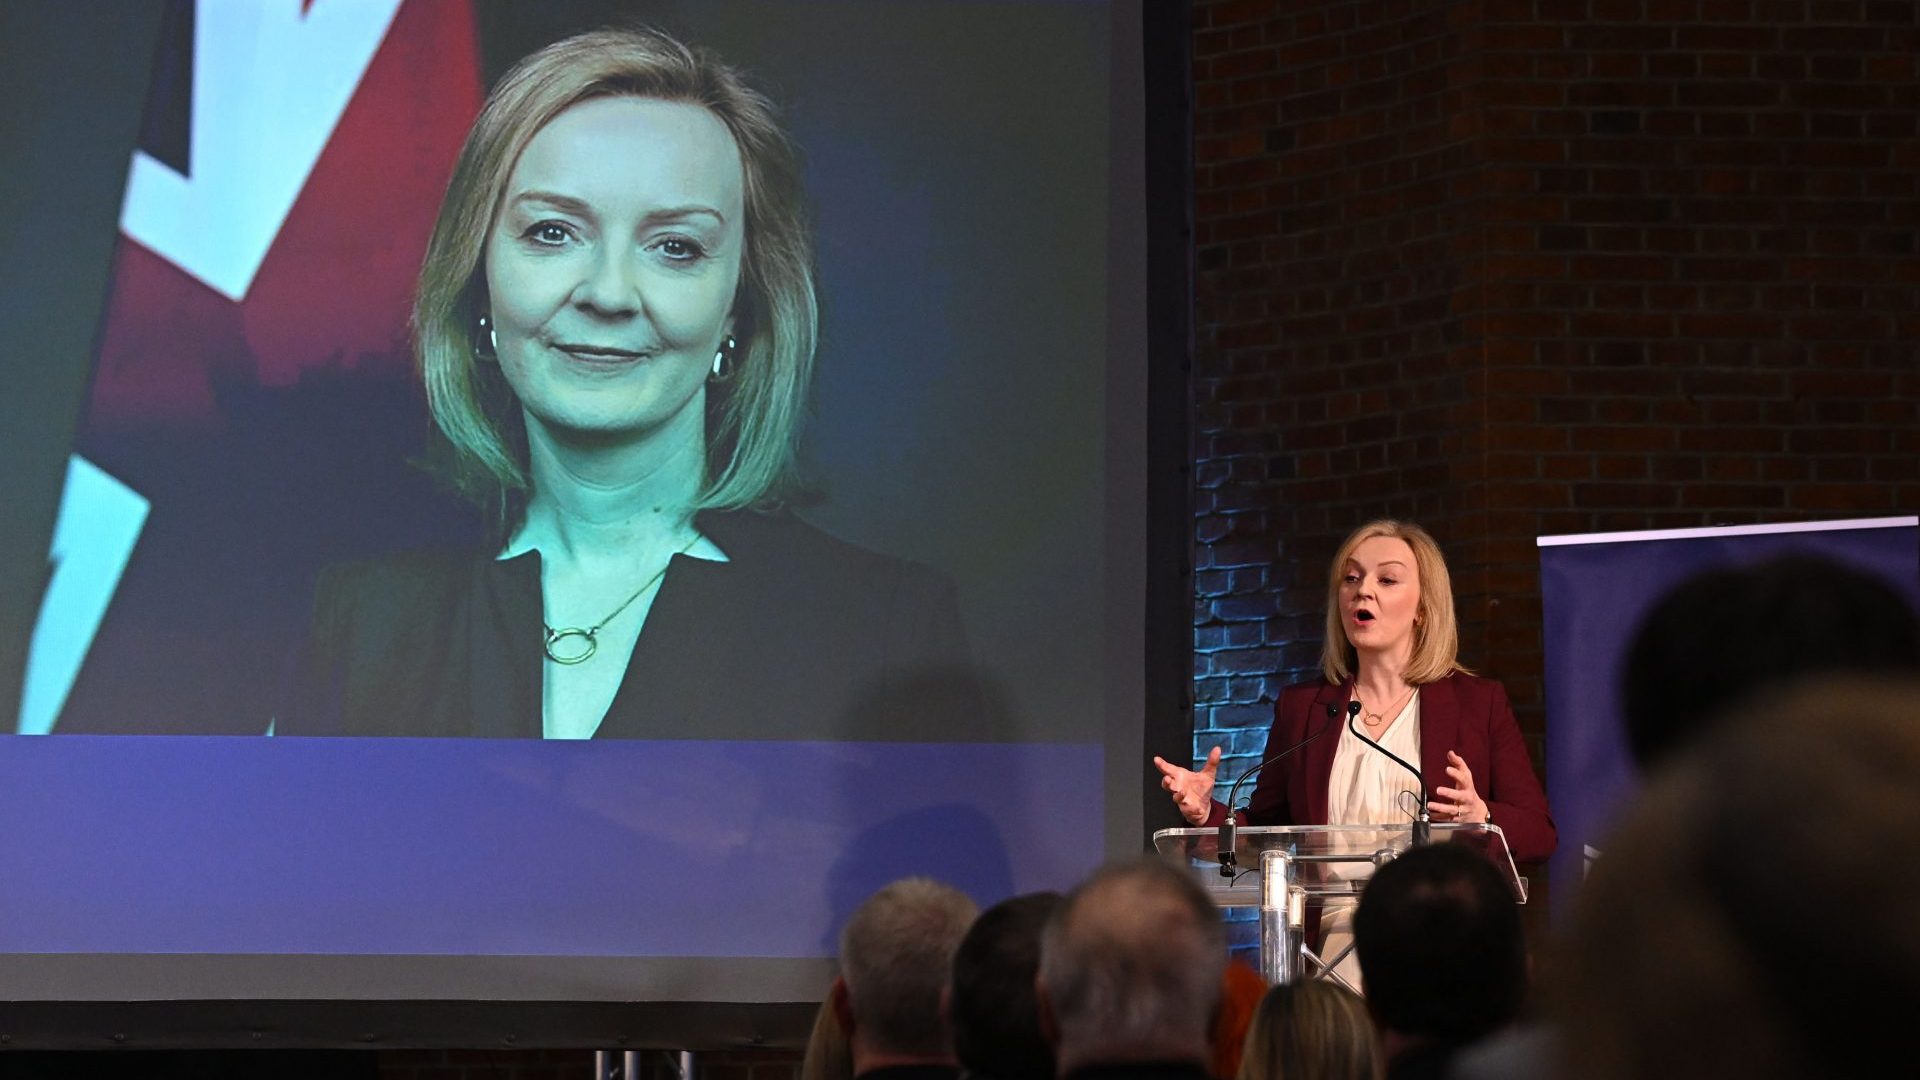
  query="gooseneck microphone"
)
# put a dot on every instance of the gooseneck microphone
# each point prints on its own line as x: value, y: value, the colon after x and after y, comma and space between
x: 1422, y: 822
x: 1229, y: 829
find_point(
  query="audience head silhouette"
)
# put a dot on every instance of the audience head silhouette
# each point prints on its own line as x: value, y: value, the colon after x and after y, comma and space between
x: 1311, y: 1030
x: 896, y: 956
x: 1727, y: 638
x: 1753, y: 916
x: 1440, y: 947
x: 1131, y: 966
x: 996, y: 1021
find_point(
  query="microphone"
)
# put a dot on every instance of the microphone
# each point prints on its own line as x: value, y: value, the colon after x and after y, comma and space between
x: 1422, y: 823
x: 1230, y: 829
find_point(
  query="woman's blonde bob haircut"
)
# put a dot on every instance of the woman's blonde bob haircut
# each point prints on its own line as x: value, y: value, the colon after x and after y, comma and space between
x: 1311, y: 1030
x: 1436, y: 633
x: 753, y: 418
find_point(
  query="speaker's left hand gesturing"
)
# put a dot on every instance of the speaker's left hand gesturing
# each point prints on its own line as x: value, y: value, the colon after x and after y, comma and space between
x: 1459, y: 802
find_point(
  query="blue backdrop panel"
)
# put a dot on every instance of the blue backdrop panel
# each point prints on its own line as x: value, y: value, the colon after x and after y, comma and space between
x: 207, y: 844
x: 1595, y: 591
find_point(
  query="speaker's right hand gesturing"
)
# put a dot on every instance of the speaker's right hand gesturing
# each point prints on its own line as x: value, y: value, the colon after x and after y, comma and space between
x: 1192, y: 789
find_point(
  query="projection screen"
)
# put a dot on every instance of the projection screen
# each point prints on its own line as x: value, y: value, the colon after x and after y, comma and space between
x: 929, y: 657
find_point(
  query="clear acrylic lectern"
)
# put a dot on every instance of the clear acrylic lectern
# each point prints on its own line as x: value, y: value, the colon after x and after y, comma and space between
x: 1282, y: 868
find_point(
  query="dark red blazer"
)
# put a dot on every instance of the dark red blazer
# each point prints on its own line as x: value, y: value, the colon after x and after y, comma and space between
x: 1463, y: 713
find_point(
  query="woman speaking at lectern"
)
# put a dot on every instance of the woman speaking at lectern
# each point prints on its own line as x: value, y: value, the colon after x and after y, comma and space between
x: 1390, y: 662
x: 1390, y: 649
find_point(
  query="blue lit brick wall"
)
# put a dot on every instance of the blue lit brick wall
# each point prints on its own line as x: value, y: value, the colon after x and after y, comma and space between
x: 1333, y: 324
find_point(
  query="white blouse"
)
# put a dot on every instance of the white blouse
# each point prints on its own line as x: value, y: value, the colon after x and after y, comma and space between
x: 1368, y: 788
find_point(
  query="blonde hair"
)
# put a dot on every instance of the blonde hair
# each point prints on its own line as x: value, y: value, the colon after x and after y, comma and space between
x: 1436, y: 633
x: 753, y: 419
x: 1314, y: 1030
x: 828, y: 1055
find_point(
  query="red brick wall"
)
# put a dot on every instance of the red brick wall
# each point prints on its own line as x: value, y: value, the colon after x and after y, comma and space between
x: 1512, y: 267
x: 1339, y: 239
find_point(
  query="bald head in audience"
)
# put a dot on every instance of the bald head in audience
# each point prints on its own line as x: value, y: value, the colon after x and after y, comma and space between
x: 896, y: 955
x: 1131, y: 967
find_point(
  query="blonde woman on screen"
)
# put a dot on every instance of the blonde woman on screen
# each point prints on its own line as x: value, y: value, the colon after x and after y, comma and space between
x: 616, y: 326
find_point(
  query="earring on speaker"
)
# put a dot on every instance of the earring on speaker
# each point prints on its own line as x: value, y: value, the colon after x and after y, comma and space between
x: 723, y: 360
x: 490, y: 349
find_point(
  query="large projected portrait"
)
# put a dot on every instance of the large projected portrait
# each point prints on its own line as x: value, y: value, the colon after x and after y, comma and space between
x: 616, y: 326
x: 560, y: 501
x: 735, y: 381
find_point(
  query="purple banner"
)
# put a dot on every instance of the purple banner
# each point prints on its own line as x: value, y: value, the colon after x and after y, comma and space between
x: 1595, y: 591
x: 181, y: 844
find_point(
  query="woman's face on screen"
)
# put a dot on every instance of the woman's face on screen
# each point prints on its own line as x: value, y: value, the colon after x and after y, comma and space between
x: 612, y: 265
x: 1380, y: 595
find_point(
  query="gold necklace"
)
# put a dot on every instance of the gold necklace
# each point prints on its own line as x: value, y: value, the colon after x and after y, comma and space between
x: 589, y: 637
x: 1372, y: 719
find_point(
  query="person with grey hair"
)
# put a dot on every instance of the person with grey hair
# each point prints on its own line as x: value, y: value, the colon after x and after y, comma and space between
x: 896, y: 957
x: 1131, y: 966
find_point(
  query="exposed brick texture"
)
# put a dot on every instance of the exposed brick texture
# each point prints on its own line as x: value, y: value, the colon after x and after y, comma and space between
x: 1514, y: 267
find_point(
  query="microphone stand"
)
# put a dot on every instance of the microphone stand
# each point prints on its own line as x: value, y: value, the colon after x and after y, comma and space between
x: 1230, y: 829
x: 1423, y: 821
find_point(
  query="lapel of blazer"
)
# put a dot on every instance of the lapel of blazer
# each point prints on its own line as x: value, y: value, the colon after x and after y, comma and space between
x: 1439, y: 730
x: 1319, y: 766
x: 505, y: 674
